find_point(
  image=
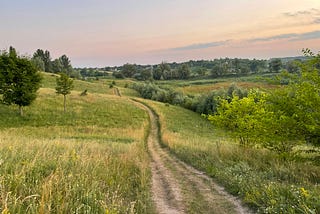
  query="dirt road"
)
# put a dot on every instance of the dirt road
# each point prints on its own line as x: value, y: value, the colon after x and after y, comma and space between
x: 178, y: 187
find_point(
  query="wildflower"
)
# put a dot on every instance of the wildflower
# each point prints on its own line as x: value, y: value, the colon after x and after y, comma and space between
x: 304, y: 192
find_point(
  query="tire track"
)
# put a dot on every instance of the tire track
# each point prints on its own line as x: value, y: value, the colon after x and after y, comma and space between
x: 178, y: 187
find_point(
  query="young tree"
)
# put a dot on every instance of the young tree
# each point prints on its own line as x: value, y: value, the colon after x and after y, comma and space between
x: 64, y: 87
x: 19, y: 80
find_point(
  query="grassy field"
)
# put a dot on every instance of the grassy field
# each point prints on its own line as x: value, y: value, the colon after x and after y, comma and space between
x: 92, y: 159
x: 200, y: 89
x: 101, y: 86
x: 207, y: 85
x: 264, y: 180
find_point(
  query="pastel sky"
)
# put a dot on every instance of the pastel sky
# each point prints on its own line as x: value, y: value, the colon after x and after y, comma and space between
x: 101, y: 33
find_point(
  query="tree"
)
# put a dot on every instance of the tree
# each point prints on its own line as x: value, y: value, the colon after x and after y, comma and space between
x: 128, y: 70
x: 293, y: 66
x: 19, y: 80
x: 64, y: 87
x: 216, y: 71
x: 157, y: 73
x: 66, y: 64
x: 243, y: 117
x: 38, y: 63
x: 46, y: 58
x: 56, y: 66
x: 275, y: 65
x: 184, y: 71
x: 165, y: 70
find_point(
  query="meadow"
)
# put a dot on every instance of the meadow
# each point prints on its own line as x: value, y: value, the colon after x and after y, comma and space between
x: 264, y: 180
x: 202, y: 86
x: 92, y: 159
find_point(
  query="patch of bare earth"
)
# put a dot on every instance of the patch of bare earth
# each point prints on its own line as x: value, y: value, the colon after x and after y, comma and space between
x: 178, y: 187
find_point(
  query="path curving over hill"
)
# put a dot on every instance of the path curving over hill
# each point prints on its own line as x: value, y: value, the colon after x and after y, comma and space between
x: 178, y: 187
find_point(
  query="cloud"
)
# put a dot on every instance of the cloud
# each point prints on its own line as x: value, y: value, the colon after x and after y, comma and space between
x: 307, y: 36
x: 313, y: 15
x: 312, y: 11
x: 200, y: 46
x: 277, y: 37
x: 316, y: 21
x: 290, y: 37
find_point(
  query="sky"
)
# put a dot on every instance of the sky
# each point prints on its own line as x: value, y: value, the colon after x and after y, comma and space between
x: 99, y: 33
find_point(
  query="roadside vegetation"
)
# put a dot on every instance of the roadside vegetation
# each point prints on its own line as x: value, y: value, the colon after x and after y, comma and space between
x: 264, y: 145
x: 264, y: 180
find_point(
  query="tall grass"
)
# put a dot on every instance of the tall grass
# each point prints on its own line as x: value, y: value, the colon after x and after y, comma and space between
x: 92, y: 159
x: 264, y: 180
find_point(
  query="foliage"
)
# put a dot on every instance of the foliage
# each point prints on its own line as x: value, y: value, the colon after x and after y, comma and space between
x: 19, y: 80
x: 242, y: 117
x: 42, y: 60
x: 64, y: 87
x: 64, y: 84
x: 45, y: 57
x: 275, y: 65
x: 264, y: 180
x: 128, y: 70
x: 205, y: 103
x: 280, y: 119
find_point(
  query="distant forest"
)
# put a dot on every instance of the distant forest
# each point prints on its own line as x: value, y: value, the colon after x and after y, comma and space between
x: 193, y: 69
x: 196, y: 69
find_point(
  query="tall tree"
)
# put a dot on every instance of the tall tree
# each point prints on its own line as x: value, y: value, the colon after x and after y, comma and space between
x: 64, y: 87
x: 66, y: 64
x: 38, y: 63
x: 184, y: 71
x: 46, y: 58
x: 128, y: 70
x: 19, y: 80
x: 57, y: 67
x: 275, y: 65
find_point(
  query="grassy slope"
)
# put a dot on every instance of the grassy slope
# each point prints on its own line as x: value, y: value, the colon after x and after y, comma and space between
x: 264, y: 180
x: 90, y: 160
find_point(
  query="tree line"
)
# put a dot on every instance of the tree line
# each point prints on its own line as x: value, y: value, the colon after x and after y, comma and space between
x: 216, y: 68
x: 20, y: 78
x: 278, y: 120
x: 43, y: 62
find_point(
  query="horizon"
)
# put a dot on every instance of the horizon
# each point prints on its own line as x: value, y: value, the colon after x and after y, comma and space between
x: 106, y: 33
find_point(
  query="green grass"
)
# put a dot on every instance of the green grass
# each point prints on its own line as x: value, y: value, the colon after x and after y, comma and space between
x: 264, y: 180
x: 92, y: 159
x: 94, y: 86
x: 202, y: 86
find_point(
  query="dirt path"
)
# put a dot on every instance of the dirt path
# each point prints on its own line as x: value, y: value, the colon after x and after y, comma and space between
x: 116, y: 91
x: 178, y: 187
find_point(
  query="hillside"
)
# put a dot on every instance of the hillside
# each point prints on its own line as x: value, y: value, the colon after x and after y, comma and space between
x: 90, y: 160
x: 97, y: 158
